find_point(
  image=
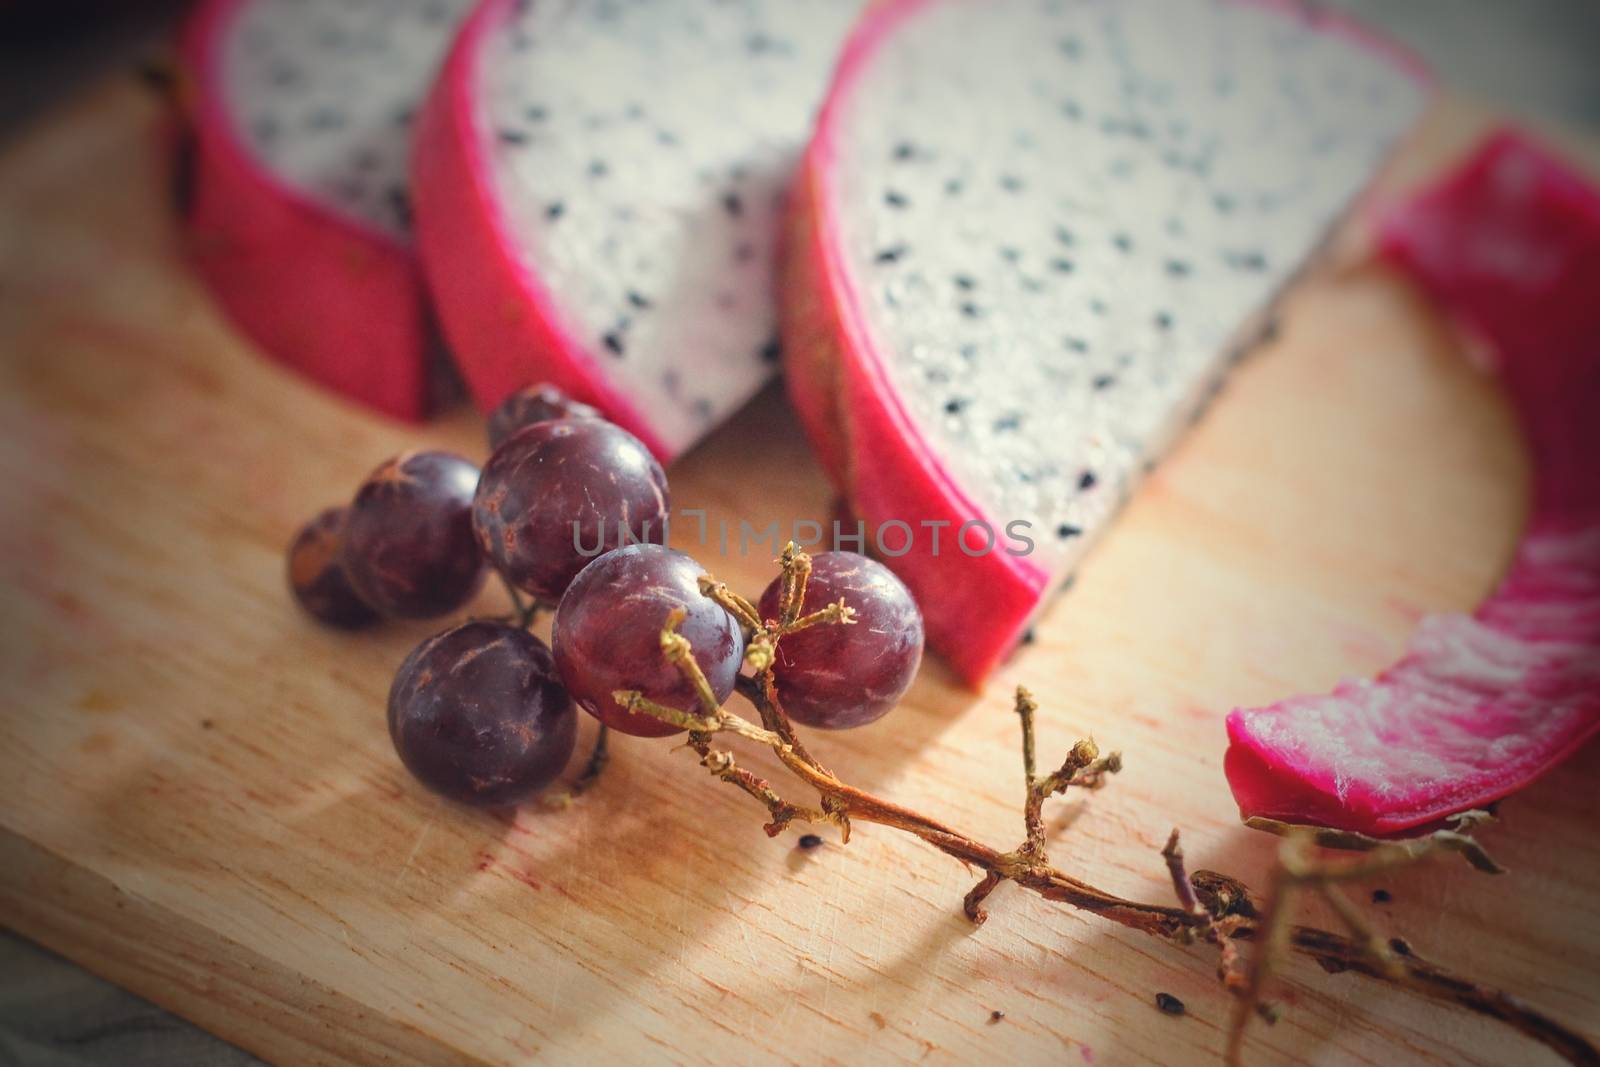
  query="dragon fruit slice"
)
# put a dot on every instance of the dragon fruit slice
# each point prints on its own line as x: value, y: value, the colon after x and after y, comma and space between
x: 1028, y: 238
x: 301, y: 113
x: 1480, y: 705
x: 598, y: 190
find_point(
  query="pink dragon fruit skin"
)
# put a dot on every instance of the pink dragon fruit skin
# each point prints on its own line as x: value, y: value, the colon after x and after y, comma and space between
x: 340, y: 301
x: 499, y: 312
x: 597, y: 188
x: 976, y: 608
x: 1509, y: 245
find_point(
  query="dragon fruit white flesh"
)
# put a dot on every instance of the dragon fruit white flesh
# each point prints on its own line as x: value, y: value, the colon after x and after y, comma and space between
x: 301, y: 123
x: 1029, y: 236
x: 598, y: 193
x: 1481, y: 705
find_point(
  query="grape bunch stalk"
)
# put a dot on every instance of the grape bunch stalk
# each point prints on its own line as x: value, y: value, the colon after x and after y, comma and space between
x: 571, y: 512
x: 1212, y: 908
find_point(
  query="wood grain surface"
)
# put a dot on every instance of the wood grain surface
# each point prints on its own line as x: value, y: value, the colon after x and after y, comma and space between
x: 200, y: 801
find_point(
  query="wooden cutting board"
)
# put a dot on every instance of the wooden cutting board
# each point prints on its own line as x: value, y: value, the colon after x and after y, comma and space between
x: 200, y: 800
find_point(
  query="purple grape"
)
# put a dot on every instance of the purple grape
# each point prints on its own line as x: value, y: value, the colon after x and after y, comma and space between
x: 477, y: 714
x: 318, y: 581
x: 836, y: 676
x: 408, y: 545
x: 560, y: 493
x: 607, y: 636
x: 536, y: 403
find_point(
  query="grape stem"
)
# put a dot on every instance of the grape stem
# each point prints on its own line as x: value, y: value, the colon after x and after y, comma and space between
x: 1211, y: 908
x: 599, y: 756
x: 525, y: 611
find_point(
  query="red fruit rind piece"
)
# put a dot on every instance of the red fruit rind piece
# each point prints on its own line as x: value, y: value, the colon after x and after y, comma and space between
x: 862, y: 433
x: 342, y: 303
x: 501, y: 323
x: 976, y: 608
x: 1481, y: 705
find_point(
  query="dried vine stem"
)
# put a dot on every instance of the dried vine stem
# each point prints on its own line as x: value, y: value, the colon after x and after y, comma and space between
x: 1455, y: 838
x: 1212, y: 908
x: 1247, y: 915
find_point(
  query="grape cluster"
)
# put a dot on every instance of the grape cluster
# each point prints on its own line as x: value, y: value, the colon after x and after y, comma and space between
x: 571, y: 510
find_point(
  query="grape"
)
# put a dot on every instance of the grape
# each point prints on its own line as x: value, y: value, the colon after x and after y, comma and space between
x: 536, y: 403
x: 554, y: 496
x: 318, y: 581
x: 408, y: 544
x: 836, y: 676
x: 476, y: 713
x: 607, y: 636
